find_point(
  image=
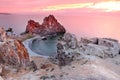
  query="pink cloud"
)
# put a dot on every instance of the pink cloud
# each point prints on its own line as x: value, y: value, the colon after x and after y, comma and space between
x: 21, y: 6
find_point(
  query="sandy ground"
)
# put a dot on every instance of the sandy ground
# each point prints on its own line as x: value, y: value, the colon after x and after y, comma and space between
x: 86, y: 69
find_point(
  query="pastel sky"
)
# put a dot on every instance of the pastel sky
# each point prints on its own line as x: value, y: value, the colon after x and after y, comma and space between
x: 26, y: 6
x: 95, y: 17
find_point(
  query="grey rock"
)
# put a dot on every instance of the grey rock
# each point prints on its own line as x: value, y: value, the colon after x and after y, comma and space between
x: 99, y: 47
x: 104, y: 48
x: 70, y: 40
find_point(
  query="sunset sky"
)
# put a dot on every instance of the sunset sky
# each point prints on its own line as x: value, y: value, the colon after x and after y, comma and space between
x: 88, y: 17
x: 26, y: 6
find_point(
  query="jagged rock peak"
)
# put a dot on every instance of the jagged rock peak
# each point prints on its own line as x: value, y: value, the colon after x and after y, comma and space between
x: 50, y: 20
x: 49, y: 27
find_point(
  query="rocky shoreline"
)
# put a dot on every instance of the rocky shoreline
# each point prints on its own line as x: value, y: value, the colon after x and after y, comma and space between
x: 75, y: 59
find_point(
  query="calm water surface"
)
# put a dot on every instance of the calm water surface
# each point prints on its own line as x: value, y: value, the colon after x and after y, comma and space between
x: 81, y: 25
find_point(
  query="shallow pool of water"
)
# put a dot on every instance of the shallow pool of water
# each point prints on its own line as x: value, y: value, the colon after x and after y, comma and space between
x: 45, y: 47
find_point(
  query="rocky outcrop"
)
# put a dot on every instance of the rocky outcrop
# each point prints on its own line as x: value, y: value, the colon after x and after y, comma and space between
x: 68, y: 48
x: 49, y: 27
x: 101, y: 47
x: 13, y: 53
x: 71, y: 40
x: 3, y: 35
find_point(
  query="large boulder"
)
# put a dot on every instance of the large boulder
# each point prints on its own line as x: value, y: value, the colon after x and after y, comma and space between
x: 67, y: 49
x: 71, y: 40
x: 13, y: 52
x: 49, y: 27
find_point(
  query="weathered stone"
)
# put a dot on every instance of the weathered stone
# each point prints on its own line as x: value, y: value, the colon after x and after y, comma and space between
x: 32, y: 66
x: 70, y: 40
x: 61, y: 56
x: 67, y: 37
x: 13, y: 53
x: 104, y: 48
x: 89, y: 40
x: 100, y: 47
x: 110, y: 39
x: 66, y: 49
x: 3, y: 35
x: 106, y: 42
x: 49, y: 27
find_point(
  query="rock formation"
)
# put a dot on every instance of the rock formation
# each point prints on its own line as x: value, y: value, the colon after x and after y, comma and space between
x: 101, y: 47
x: 49, y: 27
x: 3, y: 35
x: 68, y: 48
x: 12, y: 51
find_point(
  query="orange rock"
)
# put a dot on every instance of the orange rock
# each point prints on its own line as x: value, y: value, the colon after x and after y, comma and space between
x: 14, y: 53
x: 50, y: 26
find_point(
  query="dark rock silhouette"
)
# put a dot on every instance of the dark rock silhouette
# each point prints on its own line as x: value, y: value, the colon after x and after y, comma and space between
x: 49, y: 27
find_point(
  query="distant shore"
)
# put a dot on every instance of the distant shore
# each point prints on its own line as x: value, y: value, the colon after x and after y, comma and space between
x: 5, y: 13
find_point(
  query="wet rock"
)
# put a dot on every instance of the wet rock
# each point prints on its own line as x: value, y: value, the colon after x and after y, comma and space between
x: 49, y: 27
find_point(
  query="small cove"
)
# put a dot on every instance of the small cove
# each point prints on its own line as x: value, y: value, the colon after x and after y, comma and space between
x: 43, y: 47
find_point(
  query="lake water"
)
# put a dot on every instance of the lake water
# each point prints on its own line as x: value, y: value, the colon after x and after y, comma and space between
x: 44, y: 47
x: 83, y: 25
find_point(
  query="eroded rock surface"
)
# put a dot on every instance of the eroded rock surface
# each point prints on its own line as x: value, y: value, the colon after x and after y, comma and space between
x: 49, y: 27
x: 101, y: 47
x: 13, y: 52
x: 3, y: 35
x: 69, y: 48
